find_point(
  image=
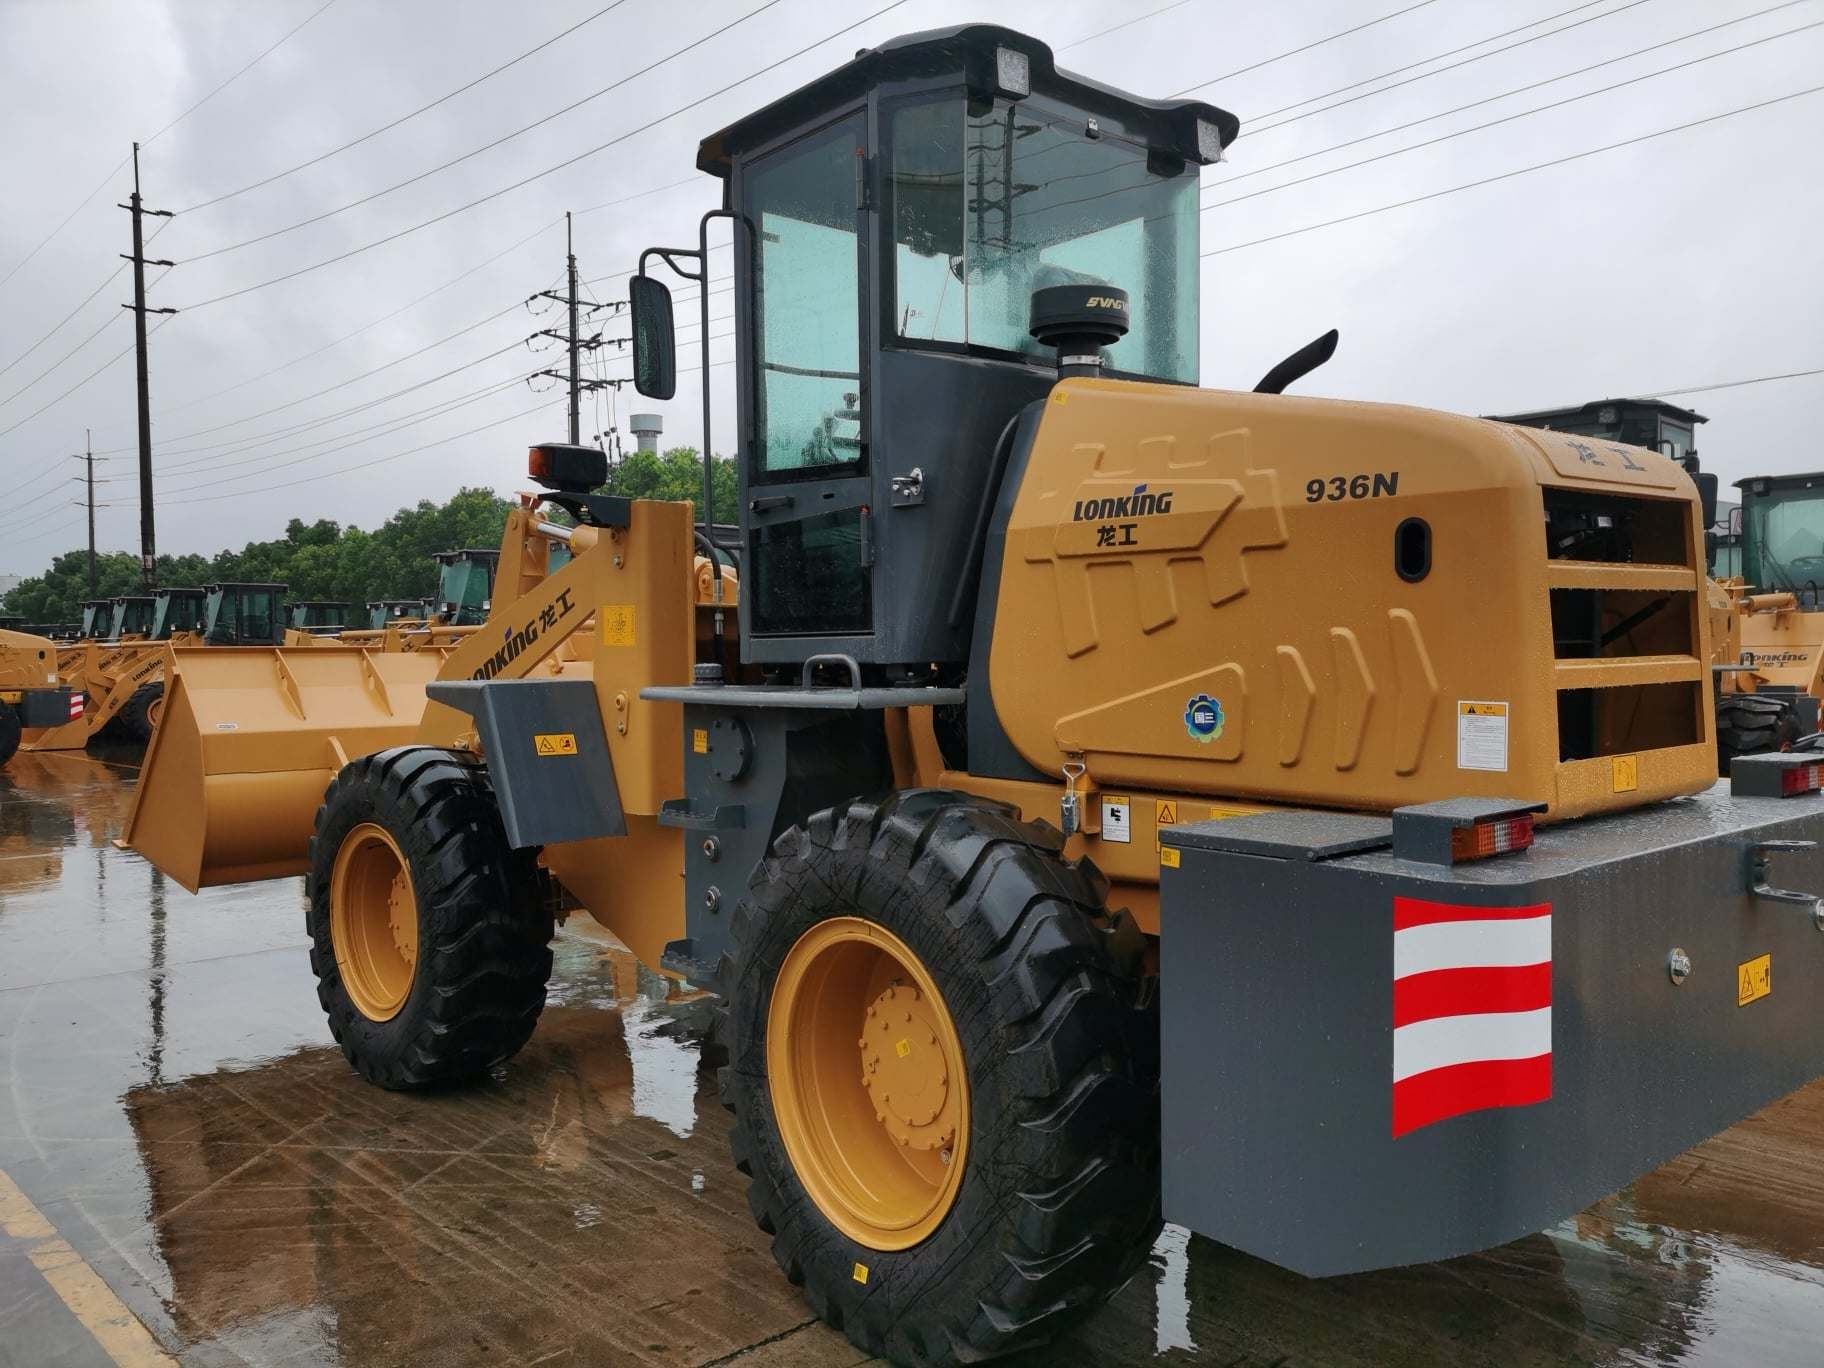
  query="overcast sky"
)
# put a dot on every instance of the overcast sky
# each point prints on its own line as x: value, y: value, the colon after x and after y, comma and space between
x: 1683, y: 260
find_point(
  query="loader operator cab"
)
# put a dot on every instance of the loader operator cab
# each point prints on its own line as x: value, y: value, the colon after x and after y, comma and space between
x: 465, y: 586
x: 1782, y: 536
x: 891, y: 223
x: 179, y: 610
x: 244, y: 615
x: 318, y: 616
x: 383, y: 613
x: 131, y: 616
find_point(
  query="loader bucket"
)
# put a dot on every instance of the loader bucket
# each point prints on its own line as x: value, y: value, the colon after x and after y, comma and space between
x: 249, y: 740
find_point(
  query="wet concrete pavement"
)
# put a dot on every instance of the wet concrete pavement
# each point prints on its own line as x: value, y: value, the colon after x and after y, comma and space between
x: 172, y: 1110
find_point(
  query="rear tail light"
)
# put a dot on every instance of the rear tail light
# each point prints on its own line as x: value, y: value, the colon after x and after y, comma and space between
x: 1802, y: 779
x: 1482, y: 839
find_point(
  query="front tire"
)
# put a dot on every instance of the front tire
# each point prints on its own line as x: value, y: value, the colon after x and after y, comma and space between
x: 1026, y: 1187
x: 10, y: 732
x: 429, y: 934
x: 1753, y: 724
x: 139, y: 715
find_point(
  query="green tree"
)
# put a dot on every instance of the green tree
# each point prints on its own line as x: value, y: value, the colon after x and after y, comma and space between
x: 318, y: 560
x: 674, y: 474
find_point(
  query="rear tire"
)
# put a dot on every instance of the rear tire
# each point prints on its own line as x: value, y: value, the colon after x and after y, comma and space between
x: 139, y: 715
x: 1753, y: 724
x: 1057, y: 1021
x: 442, y: 996
x: 10, y: 732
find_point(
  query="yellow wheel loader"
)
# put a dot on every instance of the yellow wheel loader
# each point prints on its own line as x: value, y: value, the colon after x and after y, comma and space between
x: 32, y: 694
x: 1093, y: 797
x: 1774, y: 675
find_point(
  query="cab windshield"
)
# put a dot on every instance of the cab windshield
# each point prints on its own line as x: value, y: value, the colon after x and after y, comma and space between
x: 990, y: 202
x: 1783, y: 543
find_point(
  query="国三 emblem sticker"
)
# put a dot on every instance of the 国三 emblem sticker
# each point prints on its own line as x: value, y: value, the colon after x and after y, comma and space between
x: 1203, y: 718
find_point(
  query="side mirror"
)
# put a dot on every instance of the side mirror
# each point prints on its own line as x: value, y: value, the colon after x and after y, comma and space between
x: 655, y: 354
x: 1706, y: 494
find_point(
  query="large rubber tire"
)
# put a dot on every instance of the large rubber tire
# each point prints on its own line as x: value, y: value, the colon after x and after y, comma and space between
x: 10, y: 731
x: 484, y: 927
x: 135, y: 720
x: 1058, y: 1023
x: 1753, y: 724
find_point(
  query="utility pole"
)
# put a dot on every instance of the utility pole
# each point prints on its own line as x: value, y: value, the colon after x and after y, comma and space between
x: 576, y: 431
x: 576, y: 345
x: 88, y: 452
x: 148, y: 551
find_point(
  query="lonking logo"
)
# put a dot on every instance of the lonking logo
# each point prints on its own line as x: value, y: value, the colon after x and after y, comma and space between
x: 515, y: 644
x: 1143, y: 502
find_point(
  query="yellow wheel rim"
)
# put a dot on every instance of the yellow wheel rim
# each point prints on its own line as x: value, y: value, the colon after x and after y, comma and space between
x: 373, y: 921
x: 868, y: 1083
x: 155, y: 710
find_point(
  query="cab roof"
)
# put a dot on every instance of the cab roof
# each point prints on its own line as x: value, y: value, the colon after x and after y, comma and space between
x: 968, y: 50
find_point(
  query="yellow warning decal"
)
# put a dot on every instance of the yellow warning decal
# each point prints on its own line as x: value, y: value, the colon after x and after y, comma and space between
x: 555, y: 743
x: 1753, y: 980
x: 1165, y: 813
x: 861, y: 1273
x: 1168, y: 857
x: 1626, y: 777
x: 699, y: 740
x: 1482, y: 710
x: 902, y: 1048
x: 618, y: 624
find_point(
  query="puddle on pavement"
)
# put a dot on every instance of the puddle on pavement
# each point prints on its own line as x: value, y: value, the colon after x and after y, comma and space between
x: 170, y: 1099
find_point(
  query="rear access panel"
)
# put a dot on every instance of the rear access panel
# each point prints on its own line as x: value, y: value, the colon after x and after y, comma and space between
x: 1369, y: 1061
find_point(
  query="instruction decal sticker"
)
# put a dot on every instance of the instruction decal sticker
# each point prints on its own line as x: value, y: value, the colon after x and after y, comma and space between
x: 1482, y: 735
x: 1117, y: 819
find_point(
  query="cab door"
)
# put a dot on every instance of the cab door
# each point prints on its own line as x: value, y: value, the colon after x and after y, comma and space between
x: 805, y: 481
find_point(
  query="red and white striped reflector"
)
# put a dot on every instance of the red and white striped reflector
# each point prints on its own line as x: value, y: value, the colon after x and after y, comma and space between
x: 1801, y: 779
x: 1472, y: 1009
x: 1483, y: 839
x: 75, y: 706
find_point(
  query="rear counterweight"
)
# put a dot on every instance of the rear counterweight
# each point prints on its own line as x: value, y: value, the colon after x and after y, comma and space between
x: 1369, y: 1061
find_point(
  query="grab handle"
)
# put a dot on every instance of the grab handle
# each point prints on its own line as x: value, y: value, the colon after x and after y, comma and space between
x: 1760, y: 872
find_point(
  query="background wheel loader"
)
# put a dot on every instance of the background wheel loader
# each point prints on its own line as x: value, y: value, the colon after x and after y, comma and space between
x: 1061, y: 859
x: 31, y: 693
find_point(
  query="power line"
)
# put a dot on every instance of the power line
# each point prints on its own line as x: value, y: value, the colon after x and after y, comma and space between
x: 1293, y: 52
x: 80, y: 383
x: 237, y: 75
x: 390, y: 428
x: 204, y: 455
x: 382, y: 460
x: 1125, y: 23
x: 105, y: 182
x: 485, y: 147
x: 1509, y: 175
x: 343, y: 384
x: 1735, y: 384
x: 1509, y: 118
x: 548, y: 171
x: 1255, y: 121
x: 349, y: 336
x: 1508, y: 94
x: 105, y: 324
x: 111, y: 277
x: 404, y: 118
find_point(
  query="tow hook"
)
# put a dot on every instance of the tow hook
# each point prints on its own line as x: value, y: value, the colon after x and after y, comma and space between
x: 1760, y: 856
